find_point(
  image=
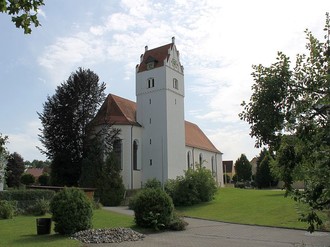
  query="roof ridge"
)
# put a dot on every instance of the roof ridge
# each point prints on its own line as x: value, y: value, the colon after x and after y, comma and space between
x: 119, y: 106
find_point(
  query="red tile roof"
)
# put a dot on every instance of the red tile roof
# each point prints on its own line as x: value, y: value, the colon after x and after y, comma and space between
x: 35, y: 172
x: 120, y: 111
x: 195, y: 137
x: 158, y: 54
x: 116, y: 110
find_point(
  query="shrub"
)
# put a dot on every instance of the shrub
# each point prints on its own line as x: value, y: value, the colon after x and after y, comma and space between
x: 194, y: 187
x: 40, y: 207
x: 71, y: 210
x: 6, y: 210
x: 153, y: 208
x: 27, y: 179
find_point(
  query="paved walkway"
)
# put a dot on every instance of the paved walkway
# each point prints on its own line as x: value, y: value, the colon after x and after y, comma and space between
x: 207, y: 233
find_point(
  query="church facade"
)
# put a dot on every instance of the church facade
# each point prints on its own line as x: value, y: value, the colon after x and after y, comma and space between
x: 156, y: 141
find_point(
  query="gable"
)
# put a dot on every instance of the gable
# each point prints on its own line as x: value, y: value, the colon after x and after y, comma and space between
x: 196, y: 138
x: 121, y: 111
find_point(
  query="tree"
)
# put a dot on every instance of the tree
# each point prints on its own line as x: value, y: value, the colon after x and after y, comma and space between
x: 264, y: 177
x: 23, y: 12
x: 295, y: 102
x: 27, y: 179
x: 243, y: 168
x: 65, y: 119
x: 14, y: 170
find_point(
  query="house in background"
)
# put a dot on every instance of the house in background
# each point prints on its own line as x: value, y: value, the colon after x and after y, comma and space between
x: 155, y: 140
x: 228, y: 169
x: 253, y: 163
x: 35, y: 172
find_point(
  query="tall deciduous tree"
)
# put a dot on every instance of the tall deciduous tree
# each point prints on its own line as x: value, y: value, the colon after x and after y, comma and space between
x: 65, y: 119
x: 14, y: 170
x: 23, y: 12
x: 243, y: 168
x: 296, y: 102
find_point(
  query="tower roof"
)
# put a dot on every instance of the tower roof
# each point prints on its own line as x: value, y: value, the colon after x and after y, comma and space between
x: 158, y: 55
x: 120, y: 111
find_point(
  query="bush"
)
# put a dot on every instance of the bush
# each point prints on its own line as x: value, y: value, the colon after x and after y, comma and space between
x: 194, y: 187
x: 153, y: 208
x: 153, y: 183
x: 6, y: 210
x: 177, y: 223
x: 71, y: 210
x: 27, y: 179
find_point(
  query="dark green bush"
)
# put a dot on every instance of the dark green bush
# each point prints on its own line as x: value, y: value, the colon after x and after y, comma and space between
x: 44, y: 179
x: 71, y: 210
x: 27, y: 179
x: 153, y: 208
x: 6, y: 210
x: 194, y: 187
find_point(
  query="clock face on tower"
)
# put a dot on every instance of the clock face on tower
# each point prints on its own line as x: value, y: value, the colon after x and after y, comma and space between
x: 175, y: 64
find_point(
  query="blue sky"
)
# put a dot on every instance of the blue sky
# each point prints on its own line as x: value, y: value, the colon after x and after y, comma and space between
x: 218, y: 43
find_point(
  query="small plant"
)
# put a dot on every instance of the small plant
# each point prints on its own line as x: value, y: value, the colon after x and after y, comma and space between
x: 72, y: 211
x: 41, y: 207
x: 6, y: 210
x: 153, y: 208
x: 177, y: 223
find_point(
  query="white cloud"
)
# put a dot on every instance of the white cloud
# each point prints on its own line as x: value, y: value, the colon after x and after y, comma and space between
x: 25, y: 141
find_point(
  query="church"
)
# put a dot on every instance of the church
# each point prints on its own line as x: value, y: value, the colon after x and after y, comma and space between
x: 155, y: 140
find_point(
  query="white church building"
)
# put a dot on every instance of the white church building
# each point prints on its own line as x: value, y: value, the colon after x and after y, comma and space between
x: 156, y: 141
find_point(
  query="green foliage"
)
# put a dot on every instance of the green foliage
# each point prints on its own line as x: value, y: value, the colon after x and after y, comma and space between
x: 296, y: 101
x: 65, y: 120
x: 27, y: 201
x: 6, y: 210
x: 153, y: 208
x: 243, y: 168
x: 23, y: 12
x: 110, y: 187
x: 71, y: 211
x: 14, y: 170
x: 27, y: 179
x: 153, y: 183
x: 44, y: 179
x: 194, y: 187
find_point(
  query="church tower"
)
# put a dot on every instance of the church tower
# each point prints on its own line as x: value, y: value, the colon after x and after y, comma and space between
x: 160, y: 111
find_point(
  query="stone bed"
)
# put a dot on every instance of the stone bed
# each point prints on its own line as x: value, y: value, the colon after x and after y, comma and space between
x: 114, y: 235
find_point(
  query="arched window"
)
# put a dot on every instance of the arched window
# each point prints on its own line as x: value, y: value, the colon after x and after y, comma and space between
x: 213, y: 167
x: 189, y: 159
x: 117, y: 151
x: 135, y: 155
x: 200, y: 159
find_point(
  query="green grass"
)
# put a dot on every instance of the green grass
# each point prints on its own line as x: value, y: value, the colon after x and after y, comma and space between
x: 21, y: 230
x: 257, y: 207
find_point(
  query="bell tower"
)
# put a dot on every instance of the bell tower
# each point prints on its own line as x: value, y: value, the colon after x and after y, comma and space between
x: 160, y: 111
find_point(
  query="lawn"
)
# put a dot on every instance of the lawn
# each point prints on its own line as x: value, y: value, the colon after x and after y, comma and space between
x: 21, y: 230
x: 258, y: 207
